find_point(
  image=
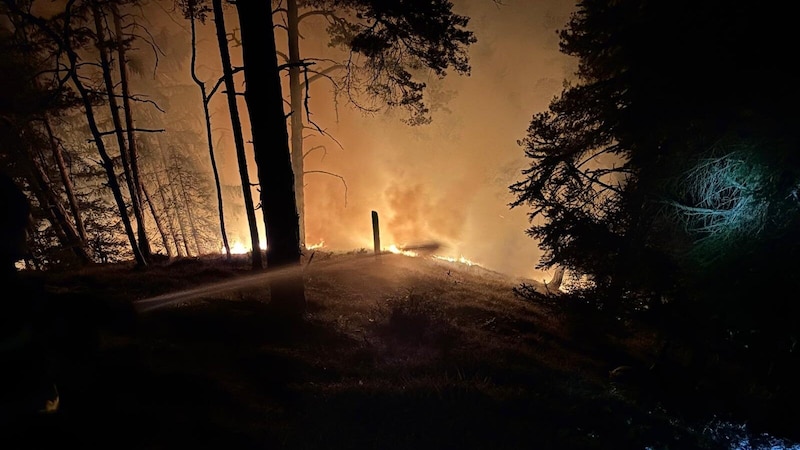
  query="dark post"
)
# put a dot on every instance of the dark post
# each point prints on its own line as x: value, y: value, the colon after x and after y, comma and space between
x: 376, y: 233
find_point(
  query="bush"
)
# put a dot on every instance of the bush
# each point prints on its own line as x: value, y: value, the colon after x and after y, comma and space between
x: 414, y: 317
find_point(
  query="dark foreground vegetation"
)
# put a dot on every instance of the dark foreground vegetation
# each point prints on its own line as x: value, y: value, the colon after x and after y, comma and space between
x: 396, y: 353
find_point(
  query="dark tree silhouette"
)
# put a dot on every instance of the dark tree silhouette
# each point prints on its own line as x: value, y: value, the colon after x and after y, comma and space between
x: 657, y: 86
x: 231, y: 93
x: 197, y: 13
x: 271, y: 147
x: 666, y: 174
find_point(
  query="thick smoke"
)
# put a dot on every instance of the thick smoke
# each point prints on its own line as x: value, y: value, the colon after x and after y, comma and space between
x: 447, y: 181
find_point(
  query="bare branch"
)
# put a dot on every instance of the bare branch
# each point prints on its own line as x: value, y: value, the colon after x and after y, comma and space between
x: 329, y: 14
x: 137, y: 98
x: 138, y: 130
x: 221, y: 80
x: 233, y: 38
x: 318, y: 147
x: 302, y: 63
x: 333, y: 175
x: 323, y: 74
x: 282, y: 55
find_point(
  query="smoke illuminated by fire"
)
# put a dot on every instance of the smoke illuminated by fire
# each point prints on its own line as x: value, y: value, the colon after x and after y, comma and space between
x: 445, y: 182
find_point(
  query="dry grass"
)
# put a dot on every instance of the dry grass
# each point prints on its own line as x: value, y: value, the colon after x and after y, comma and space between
x: 399, y: 353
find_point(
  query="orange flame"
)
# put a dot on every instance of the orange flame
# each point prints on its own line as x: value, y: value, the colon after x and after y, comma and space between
x: 316, y: 246
x: 460, y: 260
x: 238, y: 248
x: 399, y: 251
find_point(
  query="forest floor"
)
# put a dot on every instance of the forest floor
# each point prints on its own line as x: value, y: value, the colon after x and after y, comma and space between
x: 395, y: 353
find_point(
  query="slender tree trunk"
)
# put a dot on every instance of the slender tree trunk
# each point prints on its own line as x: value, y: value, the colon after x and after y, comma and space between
x: 209, y: 139
x: 158, y: 221
x: 170, y: 221
x: 108, y: 165
x: 136, y: 181
x: 296, y: 103
x: 264, y: 98
x: 558, y: 278
x: 238, y: 137
x: 167, y: 194
x: 189, y: 216
x: 58, y: 157
x: 106, y: 69
x: 171, y: 167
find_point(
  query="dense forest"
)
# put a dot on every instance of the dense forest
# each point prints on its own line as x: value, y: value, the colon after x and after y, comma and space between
x: 132, y: 191
x: 662, y: 183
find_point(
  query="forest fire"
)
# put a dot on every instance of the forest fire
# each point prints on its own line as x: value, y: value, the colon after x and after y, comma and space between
x: 400, y: 251
x: 634, y: 208
x: 460, y: 260
x: 412, y: 251
x: 238, y: 248
x: 316, y: 246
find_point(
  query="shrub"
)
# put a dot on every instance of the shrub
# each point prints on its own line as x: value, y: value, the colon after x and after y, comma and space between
x: 414, y: 317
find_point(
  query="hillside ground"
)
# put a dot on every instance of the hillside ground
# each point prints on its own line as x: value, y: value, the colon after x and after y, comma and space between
x: 396, y: 352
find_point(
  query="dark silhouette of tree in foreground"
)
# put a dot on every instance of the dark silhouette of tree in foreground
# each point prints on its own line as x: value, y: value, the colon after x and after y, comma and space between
x: 665, y: 177
x: 271, y: 147
x: 29, y: 147
x: 239, y: 140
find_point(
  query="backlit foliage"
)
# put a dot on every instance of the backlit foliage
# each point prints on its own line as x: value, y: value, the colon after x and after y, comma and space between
x: 731, y: 197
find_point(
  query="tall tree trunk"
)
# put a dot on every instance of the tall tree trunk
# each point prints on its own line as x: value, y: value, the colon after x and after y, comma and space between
x: 167, y: 193
x: 106, y: 69
x: 209, y: 138
x: 171, y: 167
x: 296, y: 103
x: 136, y: 181
x: 186, y: 201
x: 58, y: 157
x: 238, y: 137
x: 264, y: 98
x: 108, y: 164
x: 158, y: 221
x: 170, y: 222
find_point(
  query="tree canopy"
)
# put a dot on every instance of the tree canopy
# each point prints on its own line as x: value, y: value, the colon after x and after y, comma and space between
x: 391, y: 43
x: 668, y: 171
